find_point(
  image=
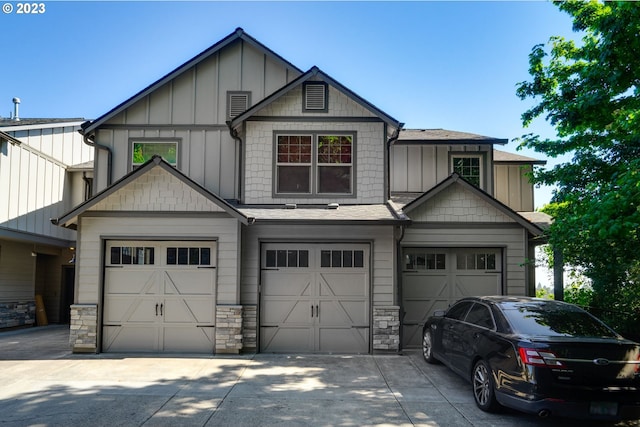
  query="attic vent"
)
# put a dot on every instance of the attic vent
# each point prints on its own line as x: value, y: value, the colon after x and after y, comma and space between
x: 315, y: 97
x: 237, y: 103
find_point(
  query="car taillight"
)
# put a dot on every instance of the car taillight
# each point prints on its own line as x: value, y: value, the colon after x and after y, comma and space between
x: 535, y: 357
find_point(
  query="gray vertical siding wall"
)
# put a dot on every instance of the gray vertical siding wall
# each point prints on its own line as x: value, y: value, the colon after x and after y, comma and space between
x: 512, y: 186
x: 34, y: 182
x: 195, y: 105
x: 418, y: 168
x: 382, y: 253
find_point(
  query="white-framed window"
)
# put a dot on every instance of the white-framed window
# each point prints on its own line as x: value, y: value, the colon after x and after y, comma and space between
x: 314, y: 164
x: 469, y: 167
x: 143, y: 150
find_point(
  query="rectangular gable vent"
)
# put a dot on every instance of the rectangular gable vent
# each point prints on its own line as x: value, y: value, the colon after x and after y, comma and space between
x: 315, y: 98
x: 237, y: 103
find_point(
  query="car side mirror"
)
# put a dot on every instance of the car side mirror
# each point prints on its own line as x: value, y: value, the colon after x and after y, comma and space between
x: 439, y: 313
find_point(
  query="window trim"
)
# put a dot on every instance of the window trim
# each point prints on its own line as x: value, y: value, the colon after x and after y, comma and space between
x: 475, y: 155
x: 145, y: 140
x: 314, y: 183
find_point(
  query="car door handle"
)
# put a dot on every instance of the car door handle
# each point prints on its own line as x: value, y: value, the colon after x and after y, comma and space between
x: 476, y: 336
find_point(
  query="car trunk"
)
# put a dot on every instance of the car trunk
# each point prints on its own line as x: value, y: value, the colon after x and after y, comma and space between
x: 592, y: 362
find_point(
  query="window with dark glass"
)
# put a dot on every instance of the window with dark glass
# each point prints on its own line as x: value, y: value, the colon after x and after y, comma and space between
x: 290, y: 258
x: 128, y: 255
x: 314, y: 164
x: 481, y: 316
x: 468, y: 167
x: 188, y: 256
x: 425, y: 261
x: 341, y: 259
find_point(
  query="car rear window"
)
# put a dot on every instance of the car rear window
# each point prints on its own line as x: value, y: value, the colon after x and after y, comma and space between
x: 553, y: 319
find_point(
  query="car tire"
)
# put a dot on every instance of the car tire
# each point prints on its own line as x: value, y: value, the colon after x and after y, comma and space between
x: 427, y: 347
x: 483, y: 387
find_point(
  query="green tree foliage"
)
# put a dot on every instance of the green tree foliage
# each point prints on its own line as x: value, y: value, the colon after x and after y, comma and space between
x: 590, y: 92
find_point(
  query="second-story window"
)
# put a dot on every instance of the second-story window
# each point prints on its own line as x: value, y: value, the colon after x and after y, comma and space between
x: 468, y: 167
x: 142, y: 151
x: 314, y: 164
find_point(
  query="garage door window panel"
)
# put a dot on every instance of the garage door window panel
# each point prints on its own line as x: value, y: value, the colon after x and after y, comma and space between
x: 188, y: 256
x: 341, y: 259
x: 129, y: 255
x: 425, y: 261
x: 290, y: 258
x: 476, y: 261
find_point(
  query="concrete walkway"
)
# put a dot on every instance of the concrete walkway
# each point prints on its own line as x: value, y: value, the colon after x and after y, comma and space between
x: 43, y: 384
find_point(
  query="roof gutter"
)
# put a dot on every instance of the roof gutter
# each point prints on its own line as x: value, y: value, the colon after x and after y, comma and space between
x: 234, y: 134
x: 89, y: 139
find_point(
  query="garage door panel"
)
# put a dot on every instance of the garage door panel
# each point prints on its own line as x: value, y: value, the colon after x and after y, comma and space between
x: 343, y: 340
x: 197, y: 340
x: 477, y: 285
x: 343, y: 284
x: 122, y: 310
x: 292, y: 311
x: 163, y: 301
x: 287, y: 339
x: 190, y: 282
x: 286, y: 284
x: 188, y: 310
x: 131, y: 281
x: 132, y: 338
x: 343, y: 313
x: 436, y: 277
x: 315, y: 303
x: 425, y: 286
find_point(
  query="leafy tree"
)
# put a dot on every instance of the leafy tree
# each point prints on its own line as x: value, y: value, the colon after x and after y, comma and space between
x: 590, y: 92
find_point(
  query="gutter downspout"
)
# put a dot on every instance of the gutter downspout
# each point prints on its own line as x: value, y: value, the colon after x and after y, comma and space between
x: 236, y: 137
x: 390, y: 142
x: 90, y: 141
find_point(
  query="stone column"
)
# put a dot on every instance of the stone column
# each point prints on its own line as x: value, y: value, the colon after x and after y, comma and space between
x: 83, y: 337
x: 386, y: 329
x: 228, y: 329
x: 250, y: 328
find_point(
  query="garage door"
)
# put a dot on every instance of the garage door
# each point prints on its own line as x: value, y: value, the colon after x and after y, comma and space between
x: 434, y: 278
x: 315, y: 298
x: 159, y: 296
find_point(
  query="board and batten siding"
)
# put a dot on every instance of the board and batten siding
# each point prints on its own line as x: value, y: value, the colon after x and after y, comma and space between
x: 418, y: 168
x: 94, y: 230
x: 33, y: 186
x: 62, y: 143
x: 192, y: 108
x: 513, y: 187
x: 17, y: 269
x: 382, y: 253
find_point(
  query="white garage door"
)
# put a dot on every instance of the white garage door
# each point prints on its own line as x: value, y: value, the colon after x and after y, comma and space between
x: 315, y: 298
x: 432, y: 279
x: 159, y: 296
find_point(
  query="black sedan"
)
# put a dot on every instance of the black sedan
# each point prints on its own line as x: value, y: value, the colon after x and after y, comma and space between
x: 537, y: 356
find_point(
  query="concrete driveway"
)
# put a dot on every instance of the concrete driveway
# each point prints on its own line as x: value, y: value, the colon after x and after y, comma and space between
x: 43, y: 384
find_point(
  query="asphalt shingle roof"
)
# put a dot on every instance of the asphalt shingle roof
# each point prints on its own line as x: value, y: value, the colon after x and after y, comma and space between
x: 444, y: 136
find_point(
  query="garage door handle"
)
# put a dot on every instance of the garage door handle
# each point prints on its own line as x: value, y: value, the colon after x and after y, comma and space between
x: 156, y: 309
x: 161, y: 305
x: 206, y: 266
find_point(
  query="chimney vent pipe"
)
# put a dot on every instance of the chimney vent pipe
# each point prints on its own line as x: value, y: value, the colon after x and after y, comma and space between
x: 16, y: 115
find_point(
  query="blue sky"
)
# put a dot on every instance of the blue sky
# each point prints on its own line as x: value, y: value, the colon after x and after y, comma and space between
x: 452, y: 65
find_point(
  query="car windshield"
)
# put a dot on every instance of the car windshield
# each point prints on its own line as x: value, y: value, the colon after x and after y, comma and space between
x: 553, y: 319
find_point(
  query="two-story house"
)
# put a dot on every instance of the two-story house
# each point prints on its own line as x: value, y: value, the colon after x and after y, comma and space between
x: 45, y: 170
x: 243, y: 204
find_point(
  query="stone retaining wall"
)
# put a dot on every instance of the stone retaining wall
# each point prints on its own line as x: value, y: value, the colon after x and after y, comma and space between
x: 83, y: 337
x: 15, y: 314
x: 250, y: 328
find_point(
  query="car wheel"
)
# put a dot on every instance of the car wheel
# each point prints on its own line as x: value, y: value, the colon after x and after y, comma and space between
x: 483, y: 388
x: 427, y: 347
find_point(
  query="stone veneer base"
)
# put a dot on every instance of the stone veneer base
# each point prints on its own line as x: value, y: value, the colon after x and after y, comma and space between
x: 83, y: 337
x: 17, y: 314
x: 386, y: 329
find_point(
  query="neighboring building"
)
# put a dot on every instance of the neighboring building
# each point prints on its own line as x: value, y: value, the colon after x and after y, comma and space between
x: 44, y: 170
x: 243, y: 204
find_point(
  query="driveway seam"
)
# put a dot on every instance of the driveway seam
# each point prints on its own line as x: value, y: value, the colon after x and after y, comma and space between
x: 404, y: 411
